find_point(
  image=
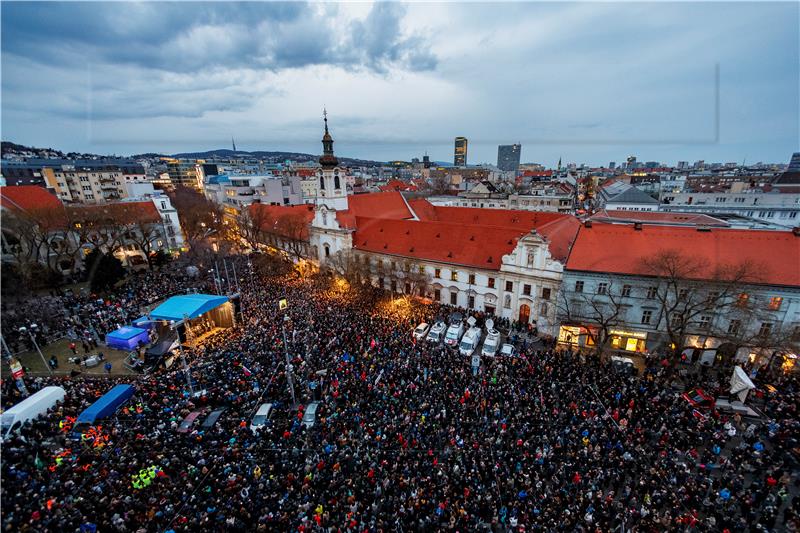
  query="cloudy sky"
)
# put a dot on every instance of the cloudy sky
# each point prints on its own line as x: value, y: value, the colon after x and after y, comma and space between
x: 587, y: 82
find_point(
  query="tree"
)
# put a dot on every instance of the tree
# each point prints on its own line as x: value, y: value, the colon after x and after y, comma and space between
x: 292, y: 230
x: 686, y: 289
x: 603, y: 310
x: 250, y: 223
x: 199, y: 217
x: 104, y: 270
x: 159, y: 258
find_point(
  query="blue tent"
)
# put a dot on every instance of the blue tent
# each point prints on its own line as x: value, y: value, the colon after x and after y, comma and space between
x: 127, y: 338
x: 187, y: 305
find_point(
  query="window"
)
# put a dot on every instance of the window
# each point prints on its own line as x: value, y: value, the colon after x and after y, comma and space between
x: 437, y: 273
x: 743, y: 299
x: 394, y: 286
x: 491, y: 283
x: 626, y: 290
x: 676, y: 320
x: 705, y: 322
x: 509, y: 286
x: 163, y: 205
x: 507, y: 301
x: 651, y: 293
x: 408, y: 288
x: 647, y: 314
x: 775, y: 303
x: 327, y: 251
x: 453, y: 275
x: 765, y: 329
x: 526, y: 290
x: 421, y: 269
x: 602, y: 288
x: 545, y: 293
x: 733, y: 326
x: 793, y: 214
x: 437, y: 295
x: 544, y: 309
x: 472, y: 279
x: 471, y: 302
x: 739, y: 200
x: 712, y: 297
x: 683, y: 293
x: 453, y: 298
x: 578, y: 286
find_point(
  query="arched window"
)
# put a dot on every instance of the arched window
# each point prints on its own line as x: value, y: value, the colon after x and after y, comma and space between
x: 336, y: 184
x: 327, y: 251
x: 322, y: 183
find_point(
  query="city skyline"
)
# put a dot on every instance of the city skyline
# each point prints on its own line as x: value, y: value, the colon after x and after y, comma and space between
x: 402, y: 80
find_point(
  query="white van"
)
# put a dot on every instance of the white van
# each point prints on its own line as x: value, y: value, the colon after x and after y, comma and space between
x: 469, y: 343
x: 261, y: 417
x: 30, y: 408
x: 310, y: 416
x: 453, y: 335
x: 491, y: 344
x: 437, y: 332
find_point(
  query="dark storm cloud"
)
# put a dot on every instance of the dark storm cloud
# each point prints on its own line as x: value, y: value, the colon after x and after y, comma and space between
x: 186, y: 37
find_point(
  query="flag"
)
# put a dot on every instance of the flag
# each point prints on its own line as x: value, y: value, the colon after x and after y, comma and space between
x: 246, y: 371
x: 38, y: 462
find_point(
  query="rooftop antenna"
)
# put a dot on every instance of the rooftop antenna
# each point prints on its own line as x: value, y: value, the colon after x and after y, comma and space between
x: 234, y: 144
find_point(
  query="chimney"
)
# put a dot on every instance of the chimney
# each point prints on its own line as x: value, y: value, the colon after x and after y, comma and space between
x: 637, y: 226
x: 587, y: 224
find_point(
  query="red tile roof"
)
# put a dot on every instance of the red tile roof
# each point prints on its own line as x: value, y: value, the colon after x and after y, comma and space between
x: 620, y: 249
x: 27, y: 197
x: 144, y: 211
x: 374, y: 205
x: 465, y: 236
x: 445, y: 242
x: 397, y: 185
x: 508, y: 218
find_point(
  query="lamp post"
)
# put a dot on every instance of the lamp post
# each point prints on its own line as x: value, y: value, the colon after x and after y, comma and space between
x: 284, y: 305
x: 183, y: 356
x: 29, y: 331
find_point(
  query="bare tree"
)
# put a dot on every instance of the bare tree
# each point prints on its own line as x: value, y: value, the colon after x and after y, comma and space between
x: 601, y: 311
x: 250, y: 223
x: 686, y: 290
x: 200, y: 218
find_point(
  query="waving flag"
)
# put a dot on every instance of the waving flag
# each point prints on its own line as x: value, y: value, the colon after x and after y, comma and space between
x: 246, y: 371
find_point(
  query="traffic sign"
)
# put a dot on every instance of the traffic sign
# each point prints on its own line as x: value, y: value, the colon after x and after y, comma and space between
x: 16, y: 369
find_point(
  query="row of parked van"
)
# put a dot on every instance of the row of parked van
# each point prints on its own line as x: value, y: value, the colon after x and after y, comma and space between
x: 467, y: 341
x: 107, y: 405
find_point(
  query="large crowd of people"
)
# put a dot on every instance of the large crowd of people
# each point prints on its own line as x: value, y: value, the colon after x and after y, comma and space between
x: 84, y: 316
x: 406, y: 437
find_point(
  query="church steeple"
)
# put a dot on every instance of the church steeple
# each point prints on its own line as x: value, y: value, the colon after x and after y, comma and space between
x: 327, y: 160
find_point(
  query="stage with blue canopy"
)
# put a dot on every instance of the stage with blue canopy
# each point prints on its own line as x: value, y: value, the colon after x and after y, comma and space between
x: 127, y: 338
x: 188, y: 306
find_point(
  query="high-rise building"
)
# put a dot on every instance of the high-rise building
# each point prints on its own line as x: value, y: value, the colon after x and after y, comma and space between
x: 508, y: 156
x: 426, y: 161
x: 794, y: 164
x: 460, y: 152
x: 631, y: 162
x: 185, y: 172
x: 612, y: 165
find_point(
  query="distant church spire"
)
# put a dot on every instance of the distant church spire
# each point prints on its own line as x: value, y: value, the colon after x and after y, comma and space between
x: 328, y: 160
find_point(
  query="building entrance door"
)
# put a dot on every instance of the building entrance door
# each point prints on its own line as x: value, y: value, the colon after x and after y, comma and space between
x: 524, y: 313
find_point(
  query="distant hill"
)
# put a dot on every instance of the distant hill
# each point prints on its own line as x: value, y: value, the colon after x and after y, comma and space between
x: 13, y: 149
x: 273, y: 157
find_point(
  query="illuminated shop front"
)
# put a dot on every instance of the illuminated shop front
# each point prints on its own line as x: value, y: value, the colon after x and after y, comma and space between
x: 577, y: 336
x: 628, y: 341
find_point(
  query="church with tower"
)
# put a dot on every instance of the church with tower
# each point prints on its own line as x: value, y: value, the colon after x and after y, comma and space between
x: 326, y: 235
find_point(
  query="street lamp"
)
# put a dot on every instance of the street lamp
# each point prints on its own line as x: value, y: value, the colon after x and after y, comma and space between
x: 30, y: 332
x: 283, y: 305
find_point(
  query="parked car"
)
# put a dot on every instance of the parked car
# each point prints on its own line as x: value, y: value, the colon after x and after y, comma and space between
x: 310, y: 415
x: 491, y: 344
x: 212, y: 418
x: 436, y: 332
x: 421, y: 331
x: 508, y: 350
x: 261, y: 417
x: 469, y: 342
x: 189, y: 422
